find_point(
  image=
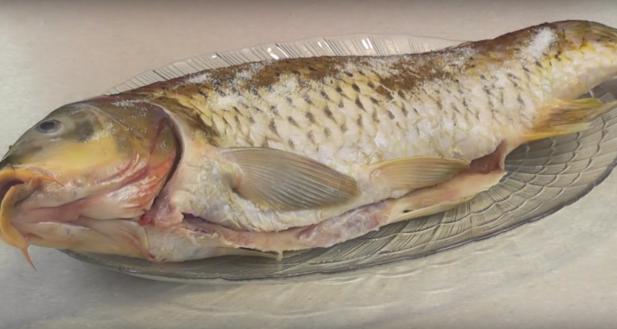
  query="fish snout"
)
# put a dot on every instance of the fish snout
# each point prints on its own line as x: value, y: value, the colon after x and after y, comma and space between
x: 15, y: 186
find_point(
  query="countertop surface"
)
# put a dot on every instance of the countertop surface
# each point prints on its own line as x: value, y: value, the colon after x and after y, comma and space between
x: 52, y: 53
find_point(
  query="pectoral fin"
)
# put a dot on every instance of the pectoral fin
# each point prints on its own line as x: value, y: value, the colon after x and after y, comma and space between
x: 282, y: 180
x: 417, y: 172
x: 567, y: 117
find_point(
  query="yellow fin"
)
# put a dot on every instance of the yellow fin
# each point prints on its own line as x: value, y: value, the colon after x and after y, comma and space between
x: 282, y: 180
x: 417, y: 172
x: 567, y: 117
x: 442, y: 197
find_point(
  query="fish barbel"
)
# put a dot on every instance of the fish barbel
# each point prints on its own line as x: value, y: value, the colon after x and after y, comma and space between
x: 296, y: 153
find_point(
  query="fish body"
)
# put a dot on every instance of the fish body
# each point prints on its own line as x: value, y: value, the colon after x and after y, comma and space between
x: 350, y: 113
x: 308, y: 152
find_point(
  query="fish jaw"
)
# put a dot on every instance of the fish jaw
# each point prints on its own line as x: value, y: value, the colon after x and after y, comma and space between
x: 14, y: 186
x: 116, y: 236
x: 99, y: 223
x: 105, y: 222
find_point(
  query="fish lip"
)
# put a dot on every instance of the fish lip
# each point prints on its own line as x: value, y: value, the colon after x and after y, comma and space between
x: 11, y: 179
x: 6, y: 186
x: 13, y: 183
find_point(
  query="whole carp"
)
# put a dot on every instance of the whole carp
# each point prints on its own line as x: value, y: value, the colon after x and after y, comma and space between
x: 296, y: 153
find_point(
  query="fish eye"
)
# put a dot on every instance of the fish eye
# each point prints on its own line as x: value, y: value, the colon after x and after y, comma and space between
x: 49, y: 126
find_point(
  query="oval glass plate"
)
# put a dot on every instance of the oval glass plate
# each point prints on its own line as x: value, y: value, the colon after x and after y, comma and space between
x: 542, y: 178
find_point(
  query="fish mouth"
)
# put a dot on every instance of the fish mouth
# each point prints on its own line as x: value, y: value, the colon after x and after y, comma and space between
x: 15, y: 186
x: 120, y: 236
x: 63, y: 226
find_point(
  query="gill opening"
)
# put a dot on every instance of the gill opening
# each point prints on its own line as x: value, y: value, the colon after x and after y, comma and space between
x: 168, y: 120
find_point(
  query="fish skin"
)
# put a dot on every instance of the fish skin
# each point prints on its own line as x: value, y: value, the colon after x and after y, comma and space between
x: 350, y: 113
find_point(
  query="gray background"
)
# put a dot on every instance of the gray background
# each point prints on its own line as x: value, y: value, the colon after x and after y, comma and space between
x: 52, y: 53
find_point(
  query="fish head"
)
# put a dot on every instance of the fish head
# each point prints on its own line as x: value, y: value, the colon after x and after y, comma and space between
x: 83, y: 169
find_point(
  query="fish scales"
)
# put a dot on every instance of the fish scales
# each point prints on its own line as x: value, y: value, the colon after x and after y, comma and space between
x: 366, y: 113
x: 351, y: 112
x: 359, y: 108
x: 366, y: 96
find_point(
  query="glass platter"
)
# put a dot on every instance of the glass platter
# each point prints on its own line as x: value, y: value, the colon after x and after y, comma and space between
x: 542, y: 178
